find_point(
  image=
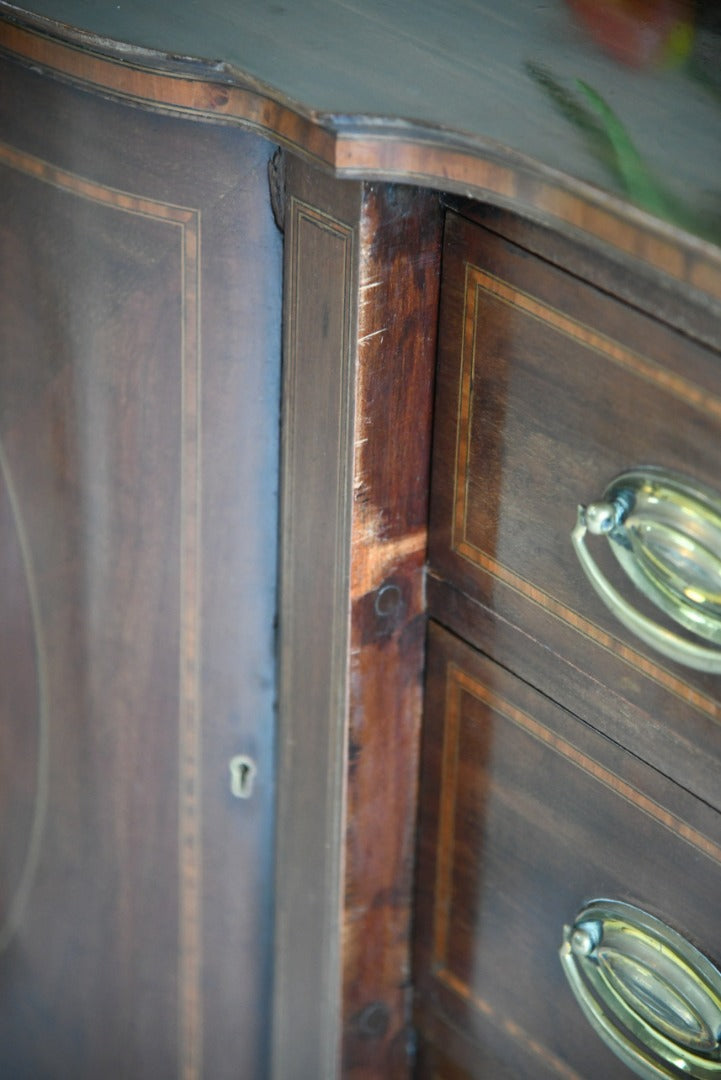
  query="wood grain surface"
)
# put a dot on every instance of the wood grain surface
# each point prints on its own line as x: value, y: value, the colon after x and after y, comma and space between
x: 319, y: 371
x: 452, y: 96
x: 139, y: 370
x: 454, y: 65
x: 547, y: 389
x: 361, y: 287
x: 400, y: 255
x: 527, y: 814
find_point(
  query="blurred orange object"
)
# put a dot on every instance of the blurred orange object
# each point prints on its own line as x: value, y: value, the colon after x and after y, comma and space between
x: 639, y: 33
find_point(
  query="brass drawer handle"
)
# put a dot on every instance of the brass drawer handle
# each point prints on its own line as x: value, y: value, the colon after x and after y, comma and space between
x: 665, y: 531
x: 652, y: 997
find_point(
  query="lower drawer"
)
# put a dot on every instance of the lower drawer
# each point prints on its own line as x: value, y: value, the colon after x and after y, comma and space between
x: 527, y: 815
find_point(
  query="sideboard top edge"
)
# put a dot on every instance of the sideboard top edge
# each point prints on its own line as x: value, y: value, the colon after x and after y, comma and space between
x: 366, y: 146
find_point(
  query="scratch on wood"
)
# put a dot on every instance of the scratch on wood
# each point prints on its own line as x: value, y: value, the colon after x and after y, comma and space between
x: 372, y: 334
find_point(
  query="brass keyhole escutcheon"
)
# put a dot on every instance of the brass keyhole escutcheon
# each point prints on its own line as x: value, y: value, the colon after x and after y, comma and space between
x: 242, y: 775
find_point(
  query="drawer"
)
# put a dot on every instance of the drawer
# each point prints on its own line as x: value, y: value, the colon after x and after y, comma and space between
x: 527, y: 815
x: 549, y: 388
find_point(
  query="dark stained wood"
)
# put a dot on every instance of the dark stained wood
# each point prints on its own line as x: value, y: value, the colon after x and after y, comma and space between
x: 139, y: 320
x: 444, y: 1053
x: 682, y: 747
x: 506, y: 83
x: 319, y: 373
x: 526, y: 814
x: 356, y: 435
x: 139, y: 370
x: 600, y: 265
x: 445, y: 124
x: 547, y: 382
x: 547, y: 389
x: 398, y: 290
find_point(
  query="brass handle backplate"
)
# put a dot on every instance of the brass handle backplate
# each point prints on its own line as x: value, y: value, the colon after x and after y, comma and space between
x: 665, y: 532
x: 652, y: 997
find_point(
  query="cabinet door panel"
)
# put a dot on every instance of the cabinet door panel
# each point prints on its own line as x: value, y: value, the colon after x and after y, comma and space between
x: 139, y: 355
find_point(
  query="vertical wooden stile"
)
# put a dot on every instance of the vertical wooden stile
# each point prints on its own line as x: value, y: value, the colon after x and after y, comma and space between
x: 361, y: 271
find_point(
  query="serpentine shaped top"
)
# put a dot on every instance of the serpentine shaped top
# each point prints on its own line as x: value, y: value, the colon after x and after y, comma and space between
x: 615, y: 104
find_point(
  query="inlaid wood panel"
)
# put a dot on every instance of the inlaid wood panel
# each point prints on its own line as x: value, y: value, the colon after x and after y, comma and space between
x: 361, y: 294
x: 526, y: 814
x: 547, y: 389
x: 320, y: 285
x: 139, y: 360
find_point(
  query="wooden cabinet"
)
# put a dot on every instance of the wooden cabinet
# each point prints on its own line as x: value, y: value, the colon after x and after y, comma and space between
x: 604, y: 784
x: 243, y: 459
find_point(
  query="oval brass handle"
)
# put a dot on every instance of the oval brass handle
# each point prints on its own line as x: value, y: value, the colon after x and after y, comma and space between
x: 665, y: 532
x: 652, y: 997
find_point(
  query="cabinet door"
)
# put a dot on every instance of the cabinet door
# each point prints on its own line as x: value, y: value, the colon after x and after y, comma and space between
x: 139, y: 355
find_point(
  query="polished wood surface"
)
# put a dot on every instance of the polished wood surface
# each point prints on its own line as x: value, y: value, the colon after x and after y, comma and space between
x: 320, y: 287
x: 361, y: 281
x: 547, y: 389
x: 455, y: 66
x: 651, y: 293
x: 400, y: 259
x: 554, y: 375
x: 454, y: 97
x: 139, y: 356
x: 138, y: 404
x: 527, y: 814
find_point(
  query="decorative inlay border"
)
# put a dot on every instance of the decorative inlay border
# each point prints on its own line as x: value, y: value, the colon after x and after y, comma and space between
x: 181, y: 93
x: 358, y: 148
x: 188, y: 221
x: 478, y: 283
x: 313, y: 705
x: 458, y: 683
x: 510, y: 1027
x: 17, y: 902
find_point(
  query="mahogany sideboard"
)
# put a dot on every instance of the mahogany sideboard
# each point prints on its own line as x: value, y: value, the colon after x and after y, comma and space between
x: 342, y: 347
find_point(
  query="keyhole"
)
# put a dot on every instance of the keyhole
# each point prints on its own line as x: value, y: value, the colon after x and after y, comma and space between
x: 242, y: 774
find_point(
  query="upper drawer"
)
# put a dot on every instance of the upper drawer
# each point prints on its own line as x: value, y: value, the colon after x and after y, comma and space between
x: 548, y: 388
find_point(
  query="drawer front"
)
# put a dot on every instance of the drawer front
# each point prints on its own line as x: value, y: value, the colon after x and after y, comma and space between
x: 547, y: 390
x: 527, y: 814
